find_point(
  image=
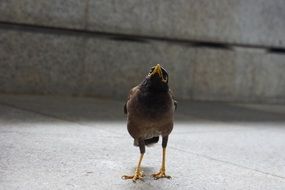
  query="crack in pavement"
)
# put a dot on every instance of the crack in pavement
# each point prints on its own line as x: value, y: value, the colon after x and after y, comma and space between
x: 227, y: 162
x: 50, y: 116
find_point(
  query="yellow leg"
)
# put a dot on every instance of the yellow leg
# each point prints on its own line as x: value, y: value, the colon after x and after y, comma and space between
x: 138, y: 173
x: 161, y: 173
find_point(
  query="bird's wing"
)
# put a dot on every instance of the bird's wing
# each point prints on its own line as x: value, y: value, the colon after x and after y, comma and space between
x: 174, y: 101
x: 131, y: 93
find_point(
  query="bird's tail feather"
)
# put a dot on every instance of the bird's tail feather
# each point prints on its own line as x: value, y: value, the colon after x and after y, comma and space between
x: 148, y: 142
x: 152, y: 141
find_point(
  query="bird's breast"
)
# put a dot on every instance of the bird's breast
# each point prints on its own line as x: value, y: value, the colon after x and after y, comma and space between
x: 154, y: 106
x: 150, y: 115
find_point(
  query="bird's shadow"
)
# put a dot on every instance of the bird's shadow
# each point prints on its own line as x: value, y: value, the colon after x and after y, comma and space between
x: 149, y: 170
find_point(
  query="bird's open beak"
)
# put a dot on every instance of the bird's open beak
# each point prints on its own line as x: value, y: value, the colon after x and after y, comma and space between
x: 158, y: 70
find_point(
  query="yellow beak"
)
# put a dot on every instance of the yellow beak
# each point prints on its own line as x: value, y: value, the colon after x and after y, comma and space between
x: 158, y: 70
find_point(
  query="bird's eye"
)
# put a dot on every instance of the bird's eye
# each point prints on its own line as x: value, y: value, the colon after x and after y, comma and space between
x: 151, y: 70
x: 164, y: 76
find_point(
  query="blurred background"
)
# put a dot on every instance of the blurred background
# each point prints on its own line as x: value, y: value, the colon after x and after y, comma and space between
x: 66, y: 67
x: 218, y: 51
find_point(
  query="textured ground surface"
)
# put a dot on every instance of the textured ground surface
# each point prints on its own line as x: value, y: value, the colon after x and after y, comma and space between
x: 73, y: 143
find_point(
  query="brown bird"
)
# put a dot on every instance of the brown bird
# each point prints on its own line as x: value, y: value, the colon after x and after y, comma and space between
x: 149, y: 108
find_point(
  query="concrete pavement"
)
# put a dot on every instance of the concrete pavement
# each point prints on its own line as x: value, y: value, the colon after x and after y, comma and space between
x: 76, y: 143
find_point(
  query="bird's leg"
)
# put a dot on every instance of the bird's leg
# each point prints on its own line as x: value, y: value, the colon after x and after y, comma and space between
x: 161, y: 173
x: 138, y: 172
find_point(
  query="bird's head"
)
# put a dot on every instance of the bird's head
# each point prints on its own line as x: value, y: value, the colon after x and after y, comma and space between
x: 157, y: 79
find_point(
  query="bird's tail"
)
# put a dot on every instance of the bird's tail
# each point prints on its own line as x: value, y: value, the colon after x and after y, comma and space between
x: 148, y: 142
x: 153, y: 140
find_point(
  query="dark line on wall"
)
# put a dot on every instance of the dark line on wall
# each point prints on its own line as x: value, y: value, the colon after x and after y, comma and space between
x: 135, y: 38
x: 128, y: 38
x: 276, y: 50
x: 214, y: 45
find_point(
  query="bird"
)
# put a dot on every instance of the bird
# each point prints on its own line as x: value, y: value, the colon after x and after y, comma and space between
x: 150, y: 114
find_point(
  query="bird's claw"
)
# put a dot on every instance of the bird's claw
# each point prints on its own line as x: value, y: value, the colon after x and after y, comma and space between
x: 138, y: 176
x: 160, y: 174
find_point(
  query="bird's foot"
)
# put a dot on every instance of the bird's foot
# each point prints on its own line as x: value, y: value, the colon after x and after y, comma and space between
x: 138, y: 175
x: 161, y: 174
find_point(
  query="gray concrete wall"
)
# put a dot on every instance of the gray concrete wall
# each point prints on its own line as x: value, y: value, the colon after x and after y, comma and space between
x: 64, y: 62
x: 48, y: 63
x: 253, y: 22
